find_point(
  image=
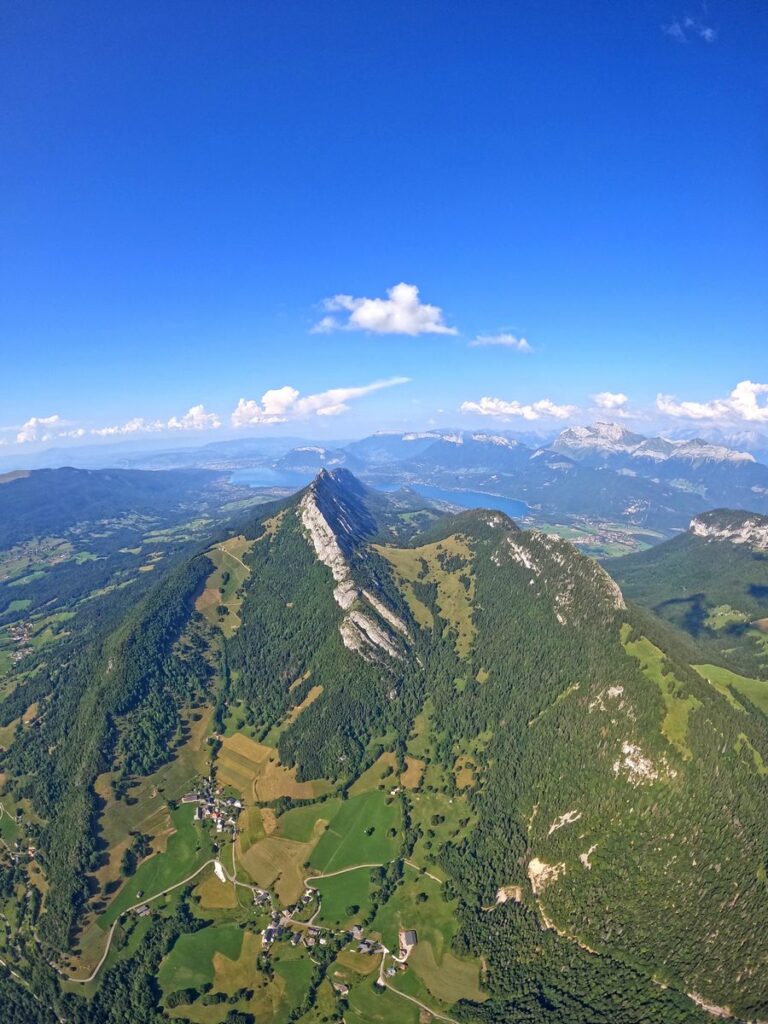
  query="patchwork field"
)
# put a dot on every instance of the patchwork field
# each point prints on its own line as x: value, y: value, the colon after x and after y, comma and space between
x: 221, y: 600
x: 186, y: 850
x: 255, y: 771
x: 277, y: 863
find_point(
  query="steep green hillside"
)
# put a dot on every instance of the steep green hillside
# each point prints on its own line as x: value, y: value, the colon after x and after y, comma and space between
x: 383, y: 721
x: 712, y: 583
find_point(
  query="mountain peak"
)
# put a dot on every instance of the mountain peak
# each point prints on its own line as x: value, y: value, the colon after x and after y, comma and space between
x: 601, y: 435
x: 732, y: 525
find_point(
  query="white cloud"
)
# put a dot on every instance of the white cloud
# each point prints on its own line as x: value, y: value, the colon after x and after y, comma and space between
x: 612, y: 400
x: 138, y: 425
x: 683, y: 30
x: 400, y: 313
x: 505, y: 340
x: 497, y: 407
x: 195, y: 418
x: 742, y: 404
x: 39, y: 428
x: 278, y: 405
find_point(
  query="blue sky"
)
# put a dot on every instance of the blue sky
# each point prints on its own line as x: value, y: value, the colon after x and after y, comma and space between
x: 184, y: 188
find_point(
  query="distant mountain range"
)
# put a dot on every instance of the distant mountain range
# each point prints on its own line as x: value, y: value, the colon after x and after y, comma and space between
x: 597, y: 473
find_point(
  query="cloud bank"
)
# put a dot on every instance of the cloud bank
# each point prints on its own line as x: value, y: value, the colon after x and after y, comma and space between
x: 741, y: 405
x: 501, y: 409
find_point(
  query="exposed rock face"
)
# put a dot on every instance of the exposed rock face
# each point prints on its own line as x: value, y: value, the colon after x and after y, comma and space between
x: 364, y: 628
x: 735, y: 527
x: 541, y: 875
x: 558, y: 570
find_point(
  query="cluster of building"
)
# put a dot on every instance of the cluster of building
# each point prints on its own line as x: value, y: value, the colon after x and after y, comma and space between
x: 20, y: 633
x: 214, y: 806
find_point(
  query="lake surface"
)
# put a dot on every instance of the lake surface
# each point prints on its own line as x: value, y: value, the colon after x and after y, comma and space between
x: 265, y: 477
x: 471, y: 499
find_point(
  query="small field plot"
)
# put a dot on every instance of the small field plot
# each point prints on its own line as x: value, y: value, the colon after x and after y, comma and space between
x: 340, y: 895
x: 8, y: 827
x: 190, y: 964
x: 278, y: 863
x: 369, y: 1004
x: 254, y: 770
x: 359, y: 834
x: 380, y: 772
x: 755, y: 690
x: 187, y: 849
x: 305, y: 824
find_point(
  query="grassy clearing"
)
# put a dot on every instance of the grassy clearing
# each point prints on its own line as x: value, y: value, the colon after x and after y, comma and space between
x: 222, y: 589
x: 446, y: 564
x: 414, y: 771
x: 359, y: 834
x: 276, y: 731
x: 380, y: 771
x: 743, y: 741
x: 674, y: 725
x: 187, y: 849
x: 369, y: 1004
x: 440, y: 818
x: 755, y: 690
x: 303, y: 824
x: 340, y: 894
x: 190, y: 963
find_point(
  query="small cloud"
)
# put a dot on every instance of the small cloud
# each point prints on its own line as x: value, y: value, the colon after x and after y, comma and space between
x: 688, y: 29
x: 39, y: 428
x: 504, y: 340
x: 611, y: 401
x: 741, y: 405
x: 195, y: 419
x: 501, y: 409
x: 279, y: 405
x: 400, y: 313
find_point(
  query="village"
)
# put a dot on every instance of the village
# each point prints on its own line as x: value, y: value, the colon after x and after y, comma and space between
x: 214, y: 805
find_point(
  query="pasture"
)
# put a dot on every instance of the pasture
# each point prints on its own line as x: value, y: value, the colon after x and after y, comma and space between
x: 755, y: 690
x: 358, y: 834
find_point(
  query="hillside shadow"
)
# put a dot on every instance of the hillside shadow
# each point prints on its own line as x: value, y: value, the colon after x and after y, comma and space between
x: 689, y: 613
